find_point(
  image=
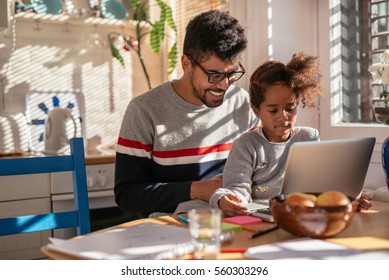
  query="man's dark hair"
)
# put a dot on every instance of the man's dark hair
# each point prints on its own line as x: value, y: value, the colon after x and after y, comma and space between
x: 214, y: 33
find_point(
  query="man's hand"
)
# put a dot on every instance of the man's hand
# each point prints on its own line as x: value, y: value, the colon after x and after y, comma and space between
x: 204, y: 189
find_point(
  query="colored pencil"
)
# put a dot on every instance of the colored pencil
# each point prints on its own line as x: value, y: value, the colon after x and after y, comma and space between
x: 232, y: 250
x: 183, y: 219
x: 263, y: 231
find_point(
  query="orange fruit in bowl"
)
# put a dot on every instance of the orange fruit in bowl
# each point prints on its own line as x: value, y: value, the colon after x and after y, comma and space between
x: 332, y: 198
x: 300, y: 199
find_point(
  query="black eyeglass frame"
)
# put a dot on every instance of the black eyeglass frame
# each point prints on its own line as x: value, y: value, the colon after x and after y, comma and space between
x: 223, y: 75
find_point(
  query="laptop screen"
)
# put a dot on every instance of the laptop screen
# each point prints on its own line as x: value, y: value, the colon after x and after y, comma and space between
x: 341, y: 165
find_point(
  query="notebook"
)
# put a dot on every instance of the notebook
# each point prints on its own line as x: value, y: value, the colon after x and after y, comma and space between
x: 319, y: 166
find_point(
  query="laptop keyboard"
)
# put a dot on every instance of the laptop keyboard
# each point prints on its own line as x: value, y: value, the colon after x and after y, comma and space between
x: 263, y: 213
x: 266, y: 211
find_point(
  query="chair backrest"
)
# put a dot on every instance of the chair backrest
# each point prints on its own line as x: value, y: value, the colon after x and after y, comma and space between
x: 79, y: 217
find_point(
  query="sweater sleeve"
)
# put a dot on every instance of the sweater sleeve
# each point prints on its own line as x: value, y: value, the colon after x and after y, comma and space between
x: 237, y: 174
x: 135, y: 188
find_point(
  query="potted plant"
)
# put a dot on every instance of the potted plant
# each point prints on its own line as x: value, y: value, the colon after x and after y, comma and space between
x: 380, y: 75
x: 143, y: 27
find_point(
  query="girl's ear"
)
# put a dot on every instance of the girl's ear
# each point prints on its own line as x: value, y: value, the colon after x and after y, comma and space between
x: 256, y: 111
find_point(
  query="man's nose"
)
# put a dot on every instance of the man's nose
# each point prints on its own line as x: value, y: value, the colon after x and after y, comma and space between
x: 224, y: 84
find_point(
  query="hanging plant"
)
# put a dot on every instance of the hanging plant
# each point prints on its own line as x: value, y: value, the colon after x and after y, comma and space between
x: 144, y: 27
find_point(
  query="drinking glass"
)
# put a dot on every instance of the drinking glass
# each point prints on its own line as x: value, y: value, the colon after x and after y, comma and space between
x: 205, y: 229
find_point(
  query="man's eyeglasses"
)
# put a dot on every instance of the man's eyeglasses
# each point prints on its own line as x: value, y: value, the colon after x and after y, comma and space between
x: 217, y: 77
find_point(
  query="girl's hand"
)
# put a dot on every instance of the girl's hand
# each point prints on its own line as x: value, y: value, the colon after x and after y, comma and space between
x: 364, y: 202
x: 230, y: 205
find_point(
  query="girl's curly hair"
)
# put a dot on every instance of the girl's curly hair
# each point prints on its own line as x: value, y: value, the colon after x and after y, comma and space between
x: 301, y: 74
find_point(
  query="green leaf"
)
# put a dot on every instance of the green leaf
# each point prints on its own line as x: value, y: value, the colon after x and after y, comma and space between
x: 156, y: 36
x: 116, y: 54
x: 157, y: 32
x: 168, y: 15
x: 135, y: 4
x: 172, y: 58
x: 139, y: 10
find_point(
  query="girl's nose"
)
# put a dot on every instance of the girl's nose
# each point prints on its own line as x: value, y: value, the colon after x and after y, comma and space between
x: 284, y: 115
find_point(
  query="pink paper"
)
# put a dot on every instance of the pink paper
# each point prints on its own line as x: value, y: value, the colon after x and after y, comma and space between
x: 243, y: 220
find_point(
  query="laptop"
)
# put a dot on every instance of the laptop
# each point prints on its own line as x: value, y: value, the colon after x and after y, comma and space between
x: 319, y: 166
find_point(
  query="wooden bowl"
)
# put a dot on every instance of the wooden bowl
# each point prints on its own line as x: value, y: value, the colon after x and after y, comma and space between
x: 316, y: 222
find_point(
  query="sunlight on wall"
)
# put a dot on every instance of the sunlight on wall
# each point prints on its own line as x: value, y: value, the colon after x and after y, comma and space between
x: 106, y: 90
x: 13, y: 128
x: 55, y: 69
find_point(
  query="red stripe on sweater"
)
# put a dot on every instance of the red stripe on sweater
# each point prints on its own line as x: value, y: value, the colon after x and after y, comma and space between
x: 193, y: 151
x: 134, y: 144
x: 175, y: 153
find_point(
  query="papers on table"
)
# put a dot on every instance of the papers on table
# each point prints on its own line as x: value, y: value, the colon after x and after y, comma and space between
x: 143, y: 241
x: 306, y: 248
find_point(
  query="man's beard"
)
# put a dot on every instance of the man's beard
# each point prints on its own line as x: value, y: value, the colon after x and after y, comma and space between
x: 210, y: 104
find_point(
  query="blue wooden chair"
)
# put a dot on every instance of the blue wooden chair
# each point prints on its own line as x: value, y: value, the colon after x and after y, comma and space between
x: 78, y: 218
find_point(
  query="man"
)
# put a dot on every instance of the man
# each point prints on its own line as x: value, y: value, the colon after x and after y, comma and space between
x: 175, y: 138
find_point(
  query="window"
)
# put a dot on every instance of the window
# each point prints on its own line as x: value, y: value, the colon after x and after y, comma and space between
x: 380, y: 43
x: 359, y: 35
x: 341, y: 60
x: 350, y: 58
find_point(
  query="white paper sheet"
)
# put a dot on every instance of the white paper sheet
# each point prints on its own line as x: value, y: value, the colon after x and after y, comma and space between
x: 307, y: 248
x: 143, y: 241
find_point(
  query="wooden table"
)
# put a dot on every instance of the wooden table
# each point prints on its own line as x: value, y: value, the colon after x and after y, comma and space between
x: 365, y: 224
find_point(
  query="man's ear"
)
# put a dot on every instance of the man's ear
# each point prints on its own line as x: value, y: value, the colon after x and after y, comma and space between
x: 186, y: 63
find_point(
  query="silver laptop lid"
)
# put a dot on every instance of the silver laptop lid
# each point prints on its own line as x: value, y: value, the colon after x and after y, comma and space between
x: 325, y: 165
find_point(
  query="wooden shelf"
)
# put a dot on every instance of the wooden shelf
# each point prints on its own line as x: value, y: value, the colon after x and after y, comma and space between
x: 99, y: 159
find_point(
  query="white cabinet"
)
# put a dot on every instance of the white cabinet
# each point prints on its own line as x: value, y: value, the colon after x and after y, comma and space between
x: 24, y: 187
x: 22, y: 195
x: 100, y: 181
x: 43, y: 193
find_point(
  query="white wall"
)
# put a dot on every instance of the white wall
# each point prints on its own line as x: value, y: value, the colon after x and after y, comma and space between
x: 294, y: 29
x: 277, y: 29
x: 252, y: 14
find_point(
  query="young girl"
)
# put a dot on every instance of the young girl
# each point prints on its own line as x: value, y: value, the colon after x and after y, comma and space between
x: 256, y: 163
